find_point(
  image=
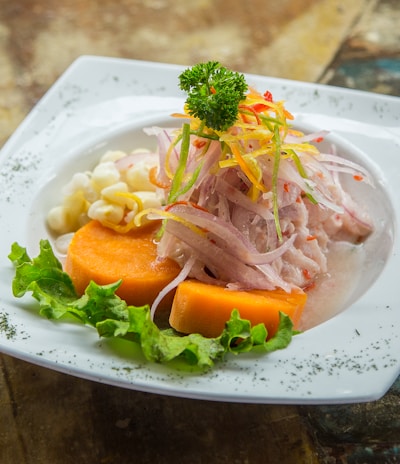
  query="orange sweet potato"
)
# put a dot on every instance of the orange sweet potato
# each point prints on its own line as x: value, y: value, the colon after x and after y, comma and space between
x: 203, y: 308
x: 100, y: 254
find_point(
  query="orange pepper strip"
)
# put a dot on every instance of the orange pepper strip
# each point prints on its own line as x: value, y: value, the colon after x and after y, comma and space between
x: 153, y: 178
x: 252, y: 110
x: 243, y: 165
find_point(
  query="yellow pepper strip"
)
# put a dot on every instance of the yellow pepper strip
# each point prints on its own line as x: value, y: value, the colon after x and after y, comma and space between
x: 171, y: 147
x: 133, y: 197
x: 182, y: 115
x: 121, y: 229
x: 168, y: 215
x: 291, y: 147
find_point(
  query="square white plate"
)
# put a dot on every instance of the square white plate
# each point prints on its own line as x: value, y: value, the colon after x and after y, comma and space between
x: 99, y: 102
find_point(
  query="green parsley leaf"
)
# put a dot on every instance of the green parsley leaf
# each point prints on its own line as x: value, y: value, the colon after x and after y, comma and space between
x: 214, y: 93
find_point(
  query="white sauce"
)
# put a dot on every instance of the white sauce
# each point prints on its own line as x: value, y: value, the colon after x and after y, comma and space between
x: 333, y: 291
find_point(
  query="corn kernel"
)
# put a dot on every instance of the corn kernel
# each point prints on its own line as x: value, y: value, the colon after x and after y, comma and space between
x: 112, y: 193
x: 103, y: 211
x: 137, y: 176
x: 149, y: 199
x: 105, y: 174
x: 57, y: 219
x: 79, y: 181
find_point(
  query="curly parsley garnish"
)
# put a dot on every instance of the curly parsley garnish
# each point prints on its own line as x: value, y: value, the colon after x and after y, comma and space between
x: 214, y: 93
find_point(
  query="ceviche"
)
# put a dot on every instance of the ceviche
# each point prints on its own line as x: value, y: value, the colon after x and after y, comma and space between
x: 231, y: 219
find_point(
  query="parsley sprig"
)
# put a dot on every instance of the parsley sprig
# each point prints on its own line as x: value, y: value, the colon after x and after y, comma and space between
x: 214, y: 93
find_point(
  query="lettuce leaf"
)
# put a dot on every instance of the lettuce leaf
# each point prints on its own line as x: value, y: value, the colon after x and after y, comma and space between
x: 111, y: 316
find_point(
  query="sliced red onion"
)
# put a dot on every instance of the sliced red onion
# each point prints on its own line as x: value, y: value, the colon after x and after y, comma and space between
x: 173, y: 284
x: 353, y: 168
x: 165, y: 137
x: 313, y: 137
x: 126, y: 162
x: 238, y: 198
x: 231, y: 270
x: 231, y: 240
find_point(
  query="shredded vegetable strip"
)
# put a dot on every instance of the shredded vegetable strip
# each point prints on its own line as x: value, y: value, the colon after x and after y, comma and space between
x: 180, y: 171
x: 275, y: 172
x: 124, y: 228
x: 189, y: 184
x: 131, y: 196
x: 153, y: 178
x: 163, y: 214
x: 120, y: 228
x: 301, y: 171
x: 246, y: 169
x: 171, y: 148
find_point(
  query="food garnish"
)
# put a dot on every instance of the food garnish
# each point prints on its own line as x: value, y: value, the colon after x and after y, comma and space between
x: 214, y: 94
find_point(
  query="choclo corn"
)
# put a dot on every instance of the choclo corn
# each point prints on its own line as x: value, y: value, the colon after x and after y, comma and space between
x: 106, y: 212
x: 109, y: 194
x: 137, y: 176
x: 105, y: 174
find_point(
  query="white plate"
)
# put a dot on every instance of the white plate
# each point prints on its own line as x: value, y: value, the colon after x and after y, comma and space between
x: 100, y: 102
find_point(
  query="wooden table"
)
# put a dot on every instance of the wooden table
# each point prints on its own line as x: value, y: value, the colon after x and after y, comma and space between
x: 48, y: 417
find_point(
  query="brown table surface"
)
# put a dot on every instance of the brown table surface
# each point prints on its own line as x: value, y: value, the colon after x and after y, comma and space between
x: 49, y: 417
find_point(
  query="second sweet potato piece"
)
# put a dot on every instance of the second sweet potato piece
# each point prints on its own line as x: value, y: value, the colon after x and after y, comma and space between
x: 203, y: 308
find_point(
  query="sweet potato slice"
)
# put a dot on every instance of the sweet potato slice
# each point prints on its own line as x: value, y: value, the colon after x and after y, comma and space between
x: 100, y: 254
x: 202, y: 308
